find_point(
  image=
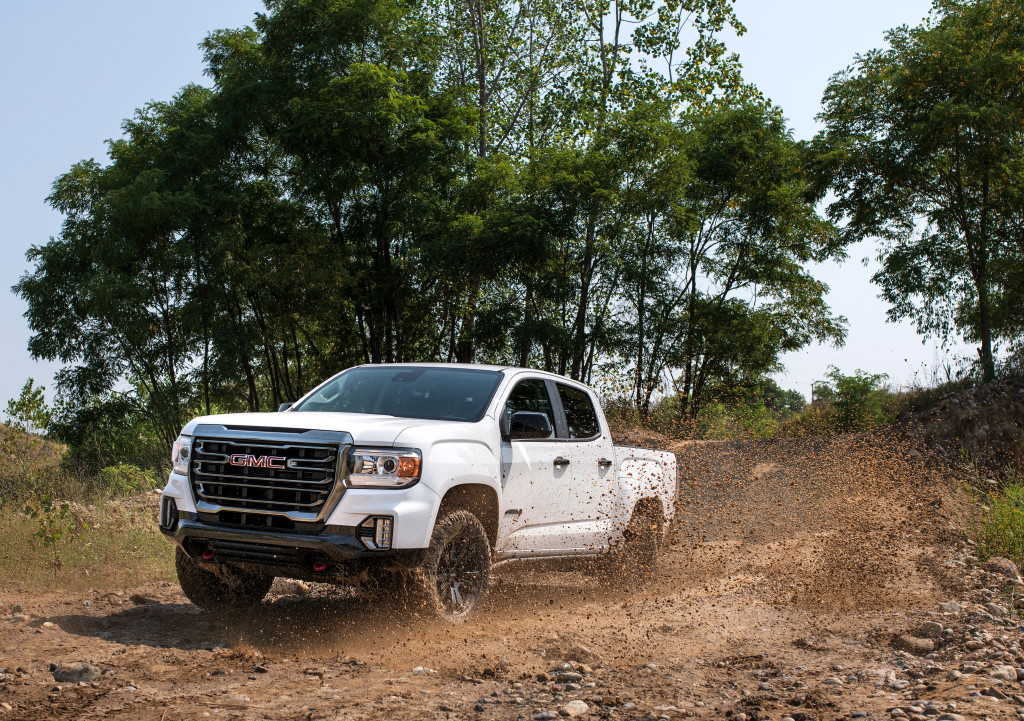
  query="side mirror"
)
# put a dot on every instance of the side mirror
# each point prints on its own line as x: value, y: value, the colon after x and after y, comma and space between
x: 527, y: 424
x: 284, y: 406
x: 504, y: 422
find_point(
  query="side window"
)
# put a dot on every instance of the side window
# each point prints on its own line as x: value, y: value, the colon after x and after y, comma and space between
x: 531, y: 395
x: 580, y: 416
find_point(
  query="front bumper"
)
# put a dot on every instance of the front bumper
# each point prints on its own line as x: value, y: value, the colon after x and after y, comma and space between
x: 336, y: 552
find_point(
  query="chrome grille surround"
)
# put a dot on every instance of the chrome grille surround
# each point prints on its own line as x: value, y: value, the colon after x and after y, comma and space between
x: 306, y: 489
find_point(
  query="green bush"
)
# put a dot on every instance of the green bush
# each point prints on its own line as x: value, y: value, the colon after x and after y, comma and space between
x: 128, y: 480
x: 1000, y: 531
x: 856, y: 400
x: 716, y: 421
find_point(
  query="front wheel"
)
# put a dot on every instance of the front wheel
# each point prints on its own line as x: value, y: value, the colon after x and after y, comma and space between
x: 456, y: 572
x: 229, y: 587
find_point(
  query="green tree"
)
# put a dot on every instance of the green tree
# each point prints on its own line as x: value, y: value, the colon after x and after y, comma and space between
x: 855, y: 400
x: 924, y: 146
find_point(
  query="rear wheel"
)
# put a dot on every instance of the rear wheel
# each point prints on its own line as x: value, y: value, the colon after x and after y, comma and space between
x: 228, y: 587
x: 456, y: 572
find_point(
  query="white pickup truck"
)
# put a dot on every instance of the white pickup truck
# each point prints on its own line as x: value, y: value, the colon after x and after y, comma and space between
x: 413, y: 476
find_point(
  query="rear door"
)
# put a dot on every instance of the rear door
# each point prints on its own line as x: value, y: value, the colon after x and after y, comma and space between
x: 591, y: 485
x: 534, y: 477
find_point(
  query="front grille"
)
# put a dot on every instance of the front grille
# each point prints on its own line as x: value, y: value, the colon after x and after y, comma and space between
x: 297, y: 482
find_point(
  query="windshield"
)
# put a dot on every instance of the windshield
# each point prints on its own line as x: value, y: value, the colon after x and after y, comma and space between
x: 448, y: 394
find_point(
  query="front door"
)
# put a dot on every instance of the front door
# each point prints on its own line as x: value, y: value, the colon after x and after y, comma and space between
x: 534, y: 479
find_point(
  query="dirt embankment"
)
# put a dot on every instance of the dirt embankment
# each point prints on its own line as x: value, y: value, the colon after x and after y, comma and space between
x: 801, y: 579
x: 981, y: 426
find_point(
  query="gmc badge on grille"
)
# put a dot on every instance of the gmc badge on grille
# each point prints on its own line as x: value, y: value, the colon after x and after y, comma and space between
x: 243, y: 459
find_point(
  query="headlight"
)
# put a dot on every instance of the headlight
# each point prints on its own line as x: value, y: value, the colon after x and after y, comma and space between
x: 383, y: 467
x: 181, y: 454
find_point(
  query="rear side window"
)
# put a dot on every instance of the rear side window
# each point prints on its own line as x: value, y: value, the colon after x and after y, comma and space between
x: 580, y: 416
x: 531, y: 395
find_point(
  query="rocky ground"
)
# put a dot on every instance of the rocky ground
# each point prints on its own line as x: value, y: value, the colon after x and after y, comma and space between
x: 808, y: 580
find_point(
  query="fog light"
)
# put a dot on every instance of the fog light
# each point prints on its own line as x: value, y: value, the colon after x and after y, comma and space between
x: 168, y: 514
x: 376, y: 531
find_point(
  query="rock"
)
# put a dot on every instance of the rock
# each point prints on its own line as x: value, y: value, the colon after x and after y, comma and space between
x: 951, y: 717
x: 6, y: 706
x: 422, y: 671
x: 545, y: 716
x: 996, y: 610
x: 954, y: 675
x: 951, y: 607
x: 914, y: 645
x: 73, y: 674
x: 859, y: 714
x: 574, y: 709
x: 1004, y: 673
x: 1002, y: 566
x: 568, y: 677
x: 993, y: 693
x: 930, y: 629
x: 581, y: 654
x: 833, y: 682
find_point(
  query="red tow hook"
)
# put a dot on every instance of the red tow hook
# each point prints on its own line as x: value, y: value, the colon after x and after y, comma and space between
x: 208, y: 554
x: 320, y: 566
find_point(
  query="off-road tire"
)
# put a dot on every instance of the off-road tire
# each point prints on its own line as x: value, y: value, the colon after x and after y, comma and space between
x: 230, y: 588
x: 634, y: 562
x: 452, y: 581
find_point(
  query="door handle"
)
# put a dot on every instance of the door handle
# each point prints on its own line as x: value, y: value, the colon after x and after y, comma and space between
x: 561, y: 462
x: 604, y: 463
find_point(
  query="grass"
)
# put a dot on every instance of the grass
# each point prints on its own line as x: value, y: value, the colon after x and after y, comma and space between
x: 112, y: 545
x: 1000, y: 529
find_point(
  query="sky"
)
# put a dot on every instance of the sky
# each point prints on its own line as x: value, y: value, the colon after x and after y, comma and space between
x: 73, y: 71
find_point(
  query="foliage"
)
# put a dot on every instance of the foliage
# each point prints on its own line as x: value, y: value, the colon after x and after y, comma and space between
x: 1000, y: 530
x: 25, y: 456
x: 128, y: 480
x: 577, y: 186
x: 716, y: 421
x: 855, y: 401
x: 924, y: 147
x: 57, y: 527
x: 109, y: 532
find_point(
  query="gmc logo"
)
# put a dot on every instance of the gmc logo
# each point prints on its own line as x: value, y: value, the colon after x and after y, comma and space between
x: 242, y: 459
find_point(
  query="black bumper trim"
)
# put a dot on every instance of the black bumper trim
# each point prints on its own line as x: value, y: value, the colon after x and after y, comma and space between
x: 338, y: 544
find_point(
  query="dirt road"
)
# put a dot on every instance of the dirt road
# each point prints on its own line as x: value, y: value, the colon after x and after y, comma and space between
x: 795, y: 573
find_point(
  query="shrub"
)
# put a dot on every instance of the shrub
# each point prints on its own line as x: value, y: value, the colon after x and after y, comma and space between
x: 856, y: 400
x: 716, y: 421
x: 1000, y: 530
x: 128, y: 480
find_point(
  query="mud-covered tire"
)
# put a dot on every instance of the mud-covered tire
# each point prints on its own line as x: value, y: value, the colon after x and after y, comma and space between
x: 230, y: 588
x: 453, y: 579
x: 635, y: 561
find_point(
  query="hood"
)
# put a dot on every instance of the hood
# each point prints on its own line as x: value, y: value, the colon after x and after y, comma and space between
x: 365, y: 429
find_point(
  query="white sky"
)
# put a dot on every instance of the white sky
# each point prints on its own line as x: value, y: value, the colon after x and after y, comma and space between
x: 74, y: 70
